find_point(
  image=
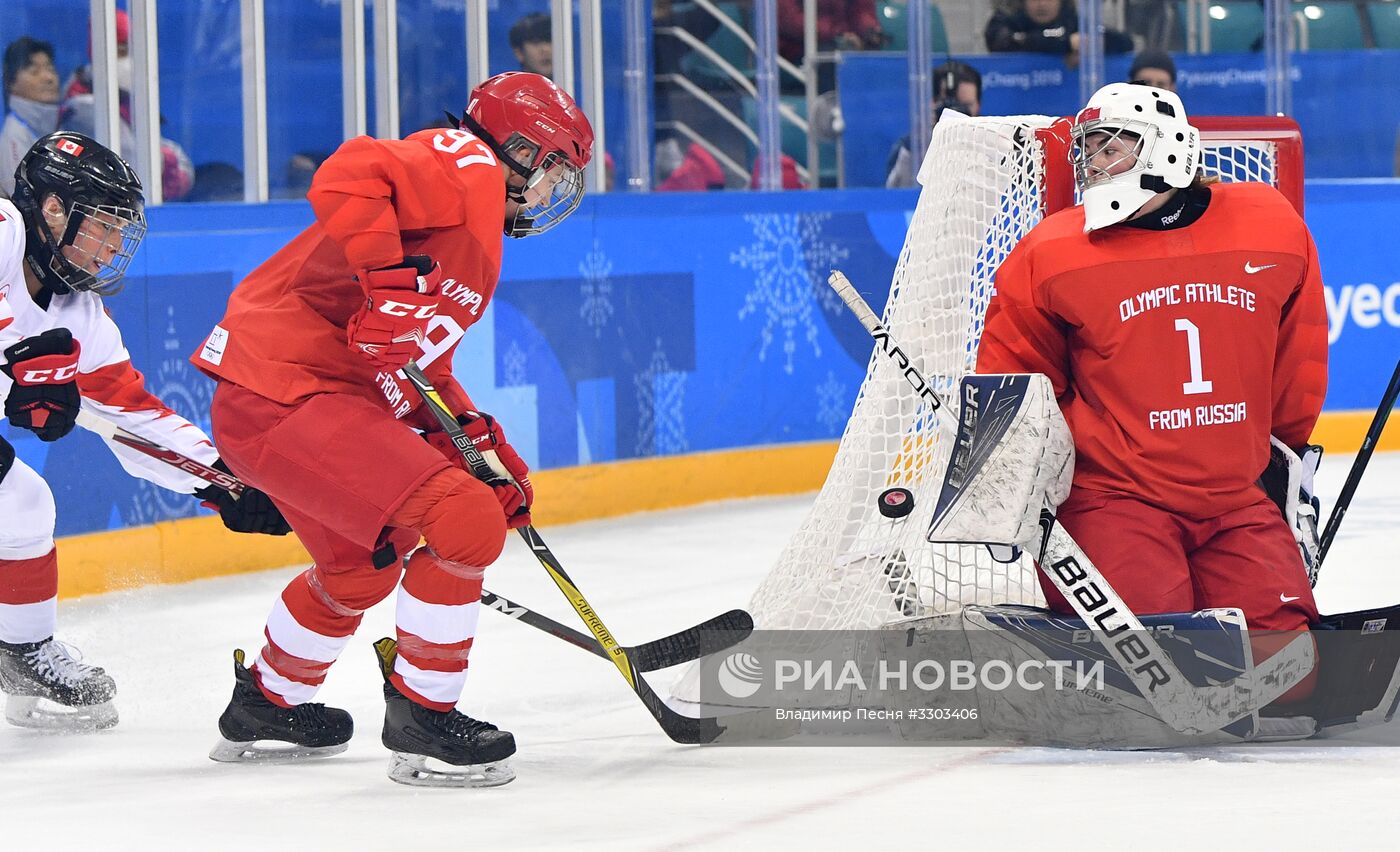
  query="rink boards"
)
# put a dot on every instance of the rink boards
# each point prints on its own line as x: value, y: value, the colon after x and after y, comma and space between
x: 657, y: 351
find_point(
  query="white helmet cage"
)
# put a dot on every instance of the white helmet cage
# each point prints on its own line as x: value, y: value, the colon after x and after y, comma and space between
x: 553, y: 208
x: 1164, y: 148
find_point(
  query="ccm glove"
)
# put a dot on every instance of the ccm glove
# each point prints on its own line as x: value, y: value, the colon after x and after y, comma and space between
x: 400, y: 301
x: 44, y: 397
x: 249, y: 512
x: 512, y: 487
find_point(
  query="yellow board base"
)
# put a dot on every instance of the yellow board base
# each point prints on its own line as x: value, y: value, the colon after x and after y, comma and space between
x: 196, y: 548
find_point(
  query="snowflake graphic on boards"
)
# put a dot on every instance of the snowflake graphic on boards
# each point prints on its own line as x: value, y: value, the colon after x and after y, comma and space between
x: 660, y: 407
x: 596, y: 289
x: 790, y: 259
x: 513, y: 366
x: 832, y: 409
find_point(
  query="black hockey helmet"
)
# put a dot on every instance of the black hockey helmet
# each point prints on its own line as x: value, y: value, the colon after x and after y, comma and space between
x: 102, y: 217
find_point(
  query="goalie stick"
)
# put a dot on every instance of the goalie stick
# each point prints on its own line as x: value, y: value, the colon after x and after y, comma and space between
x: 1185, y: 707
x: 749, y: 725
x: 1358, y: 467
x: 708, y: 637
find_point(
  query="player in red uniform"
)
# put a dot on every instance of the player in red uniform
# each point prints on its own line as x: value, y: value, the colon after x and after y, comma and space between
x: 311, y: 407
x: 1182, y: 324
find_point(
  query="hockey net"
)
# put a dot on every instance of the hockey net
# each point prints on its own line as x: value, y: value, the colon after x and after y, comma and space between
x: 986, y: 182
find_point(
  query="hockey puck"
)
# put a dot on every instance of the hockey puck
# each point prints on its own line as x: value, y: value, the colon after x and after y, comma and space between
x: 896, y: 502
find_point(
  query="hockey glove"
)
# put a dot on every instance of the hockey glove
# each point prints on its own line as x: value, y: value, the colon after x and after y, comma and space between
x: 513, y: 488
x: 249, y: 512
x: 400, y: 301
x: 1288, y: 480
x: 44, y: 398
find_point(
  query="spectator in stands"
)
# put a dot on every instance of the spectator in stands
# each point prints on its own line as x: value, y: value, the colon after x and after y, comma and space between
x: 841, y: 25
x: 31, y: 103
x: 78, y: 112
x: 957, y: 86
x: 694, y: 171
x: 1045, y: 26
x: 1153, y: 68
x: 532, y: 39
x: 792, y: 178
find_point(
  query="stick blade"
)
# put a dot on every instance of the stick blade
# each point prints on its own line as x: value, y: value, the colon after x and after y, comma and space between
x: 708, y: 637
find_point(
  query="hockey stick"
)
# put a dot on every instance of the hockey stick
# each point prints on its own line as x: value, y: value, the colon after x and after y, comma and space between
x: 708, y: 637
x: 754, y: 724
x: 107, y: 429
x: 1187, y: 708
x: 1358, y: 467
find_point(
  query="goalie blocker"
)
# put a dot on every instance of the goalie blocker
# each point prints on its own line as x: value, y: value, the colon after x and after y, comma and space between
x: 1011, y: 464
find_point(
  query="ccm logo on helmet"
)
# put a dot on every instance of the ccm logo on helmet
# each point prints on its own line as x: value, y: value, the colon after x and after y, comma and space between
x: 49, y: 377
x: 399, y: 309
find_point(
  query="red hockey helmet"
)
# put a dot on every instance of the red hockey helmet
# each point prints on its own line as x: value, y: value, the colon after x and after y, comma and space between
x: 520, y: 110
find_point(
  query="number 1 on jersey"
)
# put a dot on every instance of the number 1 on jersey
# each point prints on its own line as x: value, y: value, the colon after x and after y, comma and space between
x: 1193, y: 345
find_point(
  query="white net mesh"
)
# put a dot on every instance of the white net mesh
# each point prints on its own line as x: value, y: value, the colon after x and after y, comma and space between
x: 847, y: 566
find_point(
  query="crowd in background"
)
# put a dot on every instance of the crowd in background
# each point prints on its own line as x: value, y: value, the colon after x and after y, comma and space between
x: 695, y: 148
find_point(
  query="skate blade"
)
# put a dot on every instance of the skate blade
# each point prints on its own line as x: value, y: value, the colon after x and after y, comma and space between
x: 415, y: 770
x: 40, y: 714
x: 269, y: 751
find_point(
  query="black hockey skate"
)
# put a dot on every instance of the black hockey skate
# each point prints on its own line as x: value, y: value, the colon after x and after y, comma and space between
x: 304, y: 731
x: 474, y: 750
x: 51, y: 690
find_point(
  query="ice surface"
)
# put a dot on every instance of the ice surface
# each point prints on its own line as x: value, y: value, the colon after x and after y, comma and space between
x: 594, y: 770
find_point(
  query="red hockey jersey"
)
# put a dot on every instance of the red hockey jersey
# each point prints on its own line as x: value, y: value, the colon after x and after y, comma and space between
x: 439, y: 193
x: 1174, y: 354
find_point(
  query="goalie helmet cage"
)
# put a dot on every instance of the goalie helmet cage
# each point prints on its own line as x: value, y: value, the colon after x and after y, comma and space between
x: 986, y: 182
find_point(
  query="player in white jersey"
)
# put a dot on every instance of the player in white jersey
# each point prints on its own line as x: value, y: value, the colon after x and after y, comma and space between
x: 65, y: 241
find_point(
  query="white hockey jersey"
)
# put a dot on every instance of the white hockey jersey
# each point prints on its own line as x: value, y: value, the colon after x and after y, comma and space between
x: 109, y: 385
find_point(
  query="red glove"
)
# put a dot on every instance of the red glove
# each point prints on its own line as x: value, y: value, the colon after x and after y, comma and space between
x: 513, y: 488
x: 44, y: 397
x: 400, y: 302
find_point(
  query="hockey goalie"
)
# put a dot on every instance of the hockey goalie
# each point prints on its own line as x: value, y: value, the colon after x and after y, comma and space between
x: 1131, y: 441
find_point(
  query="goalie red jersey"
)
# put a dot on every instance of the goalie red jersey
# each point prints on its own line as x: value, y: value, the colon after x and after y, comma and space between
x: 437, y: 193
x: 1174, y: 354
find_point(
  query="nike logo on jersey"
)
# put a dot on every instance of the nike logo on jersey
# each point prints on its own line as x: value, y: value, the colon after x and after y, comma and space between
x: 1250, y: 268
x: 1288, y: 598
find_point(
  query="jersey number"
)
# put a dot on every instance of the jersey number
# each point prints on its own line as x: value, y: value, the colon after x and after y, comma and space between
x: 452, y: 141
x: 451, y: 332
x: 1193, y: 347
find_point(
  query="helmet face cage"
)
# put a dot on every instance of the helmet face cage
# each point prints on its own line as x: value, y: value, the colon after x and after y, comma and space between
x: 93, y: 232
x: 562, y: 198
x: 1138, y: 138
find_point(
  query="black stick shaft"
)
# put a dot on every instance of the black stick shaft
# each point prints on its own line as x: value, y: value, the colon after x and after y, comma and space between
x: 1358, y: 467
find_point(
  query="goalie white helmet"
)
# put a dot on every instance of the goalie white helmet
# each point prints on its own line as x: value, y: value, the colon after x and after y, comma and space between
x: 1131, y: 142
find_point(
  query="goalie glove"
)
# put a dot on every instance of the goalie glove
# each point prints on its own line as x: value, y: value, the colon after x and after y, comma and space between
x: 1288, y: 481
